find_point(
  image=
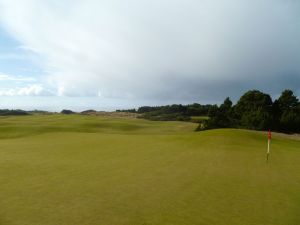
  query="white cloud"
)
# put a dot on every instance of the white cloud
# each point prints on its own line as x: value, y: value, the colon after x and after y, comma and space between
x: 30, y: 90
x: 27, y: 48
x: 160, y: 49
x: 8, y: 77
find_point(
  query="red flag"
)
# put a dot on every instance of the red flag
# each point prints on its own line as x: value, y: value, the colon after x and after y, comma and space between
x: 269, y: 135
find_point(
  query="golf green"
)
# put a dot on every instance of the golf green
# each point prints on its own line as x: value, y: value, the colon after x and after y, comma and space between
x: 93, y: 170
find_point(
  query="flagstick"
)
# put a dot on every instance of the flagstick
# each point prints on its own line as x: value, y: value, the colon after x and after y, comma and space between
x: 268, y: 152
x: 269, y: 140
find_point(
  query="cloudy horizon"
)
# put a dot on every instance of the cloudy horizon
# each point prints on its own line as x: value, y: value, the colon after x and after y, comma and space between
x: 57, y: 54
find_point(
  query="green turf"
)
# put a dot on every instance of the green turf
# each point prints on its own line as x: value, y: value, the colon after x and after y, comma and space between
x: 88, y: 170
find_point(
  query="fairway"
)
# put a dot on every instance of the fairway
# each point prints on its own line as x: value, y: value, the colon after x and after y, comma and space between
x: 95, y: 170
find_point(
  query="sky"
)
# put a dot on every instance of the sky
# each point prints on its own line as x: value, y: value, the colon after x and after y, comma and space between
x: 112, y: 54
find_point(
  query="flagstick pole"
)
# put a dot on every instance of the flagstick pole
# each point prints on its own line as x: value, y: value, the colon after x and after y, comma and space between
x: 268, y: 152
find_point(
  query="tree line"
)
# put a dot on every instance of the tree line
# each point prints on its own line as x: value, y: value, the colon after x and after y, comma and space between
x: 254, y: 110
x: 171, y: 112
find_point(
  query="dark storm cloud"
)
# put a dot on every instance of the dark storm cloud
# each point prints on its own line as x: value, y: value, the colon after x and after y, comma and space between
x: 162, y: 50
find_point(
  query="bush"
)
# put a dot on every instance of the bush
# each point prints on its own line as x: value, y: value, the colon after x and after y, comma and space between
x: 66, y: 111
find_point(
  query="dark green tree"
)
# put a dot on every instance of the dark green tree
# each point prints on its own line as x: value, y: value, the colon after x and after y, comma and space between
x: 254, y: 110
x: 287, y: 100
x: 221, y: 117
x: 287, y: 112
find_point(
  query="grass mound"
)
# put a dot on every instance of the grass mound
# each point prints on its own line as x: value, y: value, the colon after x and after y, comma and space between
x: 15, y: 127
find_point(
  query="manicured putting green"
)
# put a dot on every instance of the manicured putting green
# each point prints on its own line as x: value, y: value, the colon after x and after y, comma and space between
x: 89, y: 170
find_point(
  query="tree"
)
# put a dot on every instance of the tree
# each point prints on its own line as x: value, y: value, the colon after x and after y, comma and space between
x: 287, y: 100
x: 287, y: 112
x: 221, y: 117
x: 254, y: 110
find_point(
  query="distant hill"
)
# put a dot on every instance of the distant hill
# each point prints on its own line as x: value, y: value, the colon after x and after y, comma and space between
x: 13, y: 112
x: 40, y: 112
x: 89, y: 112
x: 67, y: 111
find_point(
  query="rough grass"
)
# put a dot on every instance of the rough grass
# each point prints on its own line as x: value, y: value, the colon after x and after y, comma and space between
x: 199, y: 119
x: 61, y: 170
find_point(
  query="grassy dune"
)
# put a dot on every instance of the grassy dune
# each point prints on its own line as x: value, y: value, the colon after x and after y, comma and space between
x: 88, y: 170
